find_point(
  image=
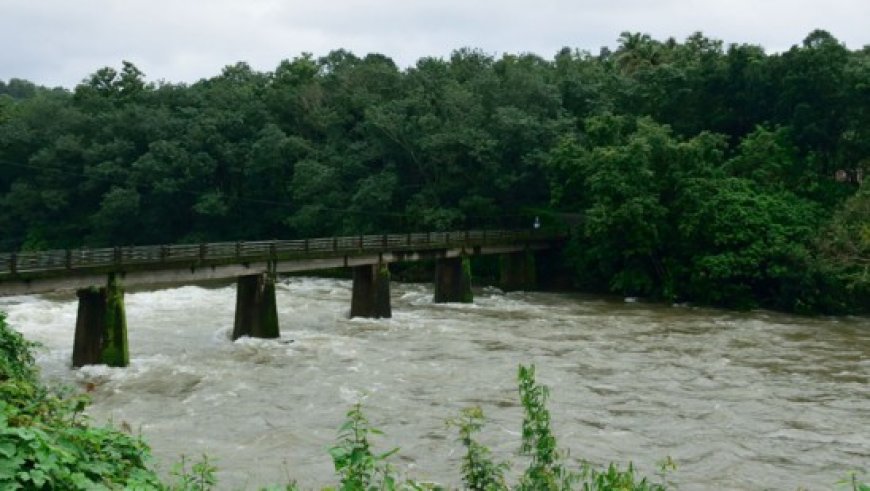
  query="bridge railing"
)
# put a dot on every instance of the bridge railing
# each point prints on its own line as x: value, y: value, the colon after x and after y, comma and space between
x: 72, y: 259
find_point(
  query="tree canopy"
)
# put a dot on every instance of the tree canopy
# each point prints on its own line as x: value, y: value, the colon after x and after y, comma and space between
x: 699, y: 171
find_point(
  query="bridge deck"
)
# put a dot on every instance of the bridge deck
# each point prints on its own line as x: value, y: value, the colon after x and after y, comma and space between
x: 42, y: 271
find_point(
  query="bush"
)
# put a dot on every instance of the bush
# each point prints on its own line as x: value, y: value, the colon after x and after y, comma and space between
x: 16, y: 361
x: 547, y: 469
x: 46, y: 443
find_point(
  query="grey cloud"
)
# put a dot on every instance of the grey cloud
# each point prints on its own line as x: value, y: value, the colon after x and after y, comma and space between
x: 61, y: 42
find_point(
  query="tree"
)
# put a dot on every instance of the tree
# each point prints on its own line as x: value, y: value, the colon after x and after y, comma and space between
x: 749, y: 246
x: 651, y: 145
x: 625, y: 177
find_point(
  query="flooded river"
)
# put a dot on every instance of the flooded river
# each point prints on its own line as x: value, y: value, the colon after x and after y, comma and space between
x: 739, y: 400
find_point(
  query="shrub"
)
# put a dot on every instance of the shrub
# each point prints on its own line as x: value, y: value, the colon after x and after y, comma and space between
x: 46, y: 443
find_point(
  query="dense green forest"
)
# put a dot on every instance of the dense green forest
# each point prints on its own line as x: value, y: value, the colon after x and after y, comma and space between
x: 690, y: 171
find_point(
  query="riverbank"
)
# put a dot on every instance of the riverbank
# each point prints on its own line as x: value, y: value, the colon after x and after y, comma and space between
x: 47, y: 443
x: 738, y: 399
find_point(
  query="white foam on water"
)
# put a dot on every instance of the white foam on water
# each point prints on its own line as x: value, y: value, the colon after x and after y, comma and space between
x: 636, y: 381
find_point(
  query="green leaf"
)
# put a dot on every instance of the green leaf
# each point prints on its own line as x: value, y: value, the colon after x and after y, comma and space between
x: 387, y: 454
x: 7, y: 449
x: 38, y: 477
x: 346, y: 426
x: 338, y: 453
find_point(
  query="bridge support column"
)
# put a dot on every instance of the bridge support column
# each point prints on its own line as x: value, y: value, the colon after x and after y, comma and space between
x: 256, y: 308
x: 453, y: 280
x: 101, y: 327
x: 371, y: 291
x: 517, y: 271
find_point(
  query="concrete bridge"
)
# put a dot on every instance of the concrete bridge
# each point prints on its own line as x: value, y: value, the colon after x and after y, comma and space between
x: 100, y: 275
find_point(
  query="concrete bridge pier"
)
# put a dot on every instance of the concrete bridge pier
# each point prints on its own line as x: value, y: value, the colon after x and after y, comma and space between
x: 371, y: 291
x: 517, y: 271
x: 453, y: 280
x: 256, y: 308
x: 101, y: 327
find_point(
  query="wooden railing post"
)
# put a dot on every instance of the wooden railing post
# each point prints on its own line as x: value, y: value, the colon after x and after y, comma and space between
x: 360, y: 242
x: 203, y: 248
x: 68, y: 259
x: 408, y: 240
x: 13, y: 263
x: 334, y: 244
x: 384, y: 241
x: 164, y: 253
x: 273, y: 250
x: 305, y: 245
x: 116, y: 253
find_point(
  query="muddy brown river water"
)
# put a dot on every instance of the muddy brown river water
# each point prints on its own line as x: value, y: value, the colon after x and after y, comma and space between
x: 754, y: 400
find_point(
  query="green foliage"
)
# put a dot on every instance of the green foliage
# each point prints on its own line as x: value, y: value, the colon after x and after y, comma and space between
x: 670, y: 218
x: 46, y: 443
x: 345, y: 144
x: 749, y: 245
x: 768, y: 158
x: 479, y: 472
x: 844, y: 247
x: 199, y: 477
x: 626, y: 177
x: 546, y: 470
x: 538, y: 442
x: 359, y: 468
x: 17, y: 361
x: 614, y: 479
x: 852, y: 483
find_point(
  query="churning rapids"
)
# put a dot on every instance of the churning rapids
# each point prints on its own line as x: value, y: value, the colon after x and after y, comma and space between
x: 739, y: 400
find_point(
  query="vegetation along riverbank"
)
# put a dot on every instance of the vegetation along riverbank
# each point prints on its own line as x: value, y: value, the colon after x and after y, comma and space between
x: 688, y: 170
x: 46, y: 443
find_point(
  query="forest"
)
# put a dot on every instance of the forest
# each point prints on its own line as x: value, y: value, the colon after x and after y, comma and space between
x: 688, y: 171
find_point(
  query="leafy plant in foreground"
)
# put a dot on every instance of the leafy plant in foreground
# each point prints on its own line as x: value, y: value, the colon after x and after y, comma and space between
x: 851, y: 482
x: 545, y: 470
x: 200, y: 476
x: 17, y: 360
x: 614, y: 479
x: 358, y: 467
x: 46, y: 443
x: 479, y: 472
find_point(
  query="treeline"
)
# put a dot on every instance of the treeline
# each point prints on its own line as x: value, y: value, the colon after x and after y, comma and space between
x: 690, y: 170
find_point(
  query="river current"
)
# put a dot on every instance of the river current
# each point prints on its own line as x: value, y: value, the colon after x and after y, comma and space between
x: 753, y: 400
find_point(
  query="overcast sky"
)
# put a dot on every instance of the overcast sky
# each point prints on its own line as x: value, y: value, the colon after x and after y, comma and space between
x: 60, y: 42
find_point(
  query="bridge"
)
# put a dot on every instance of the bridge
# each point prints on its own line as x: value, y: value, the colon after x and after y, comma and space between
x: 99, y: 276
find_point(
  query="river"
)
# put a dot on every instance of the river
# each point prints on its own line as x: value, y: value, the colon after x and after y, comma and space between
x: 755, y: 400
